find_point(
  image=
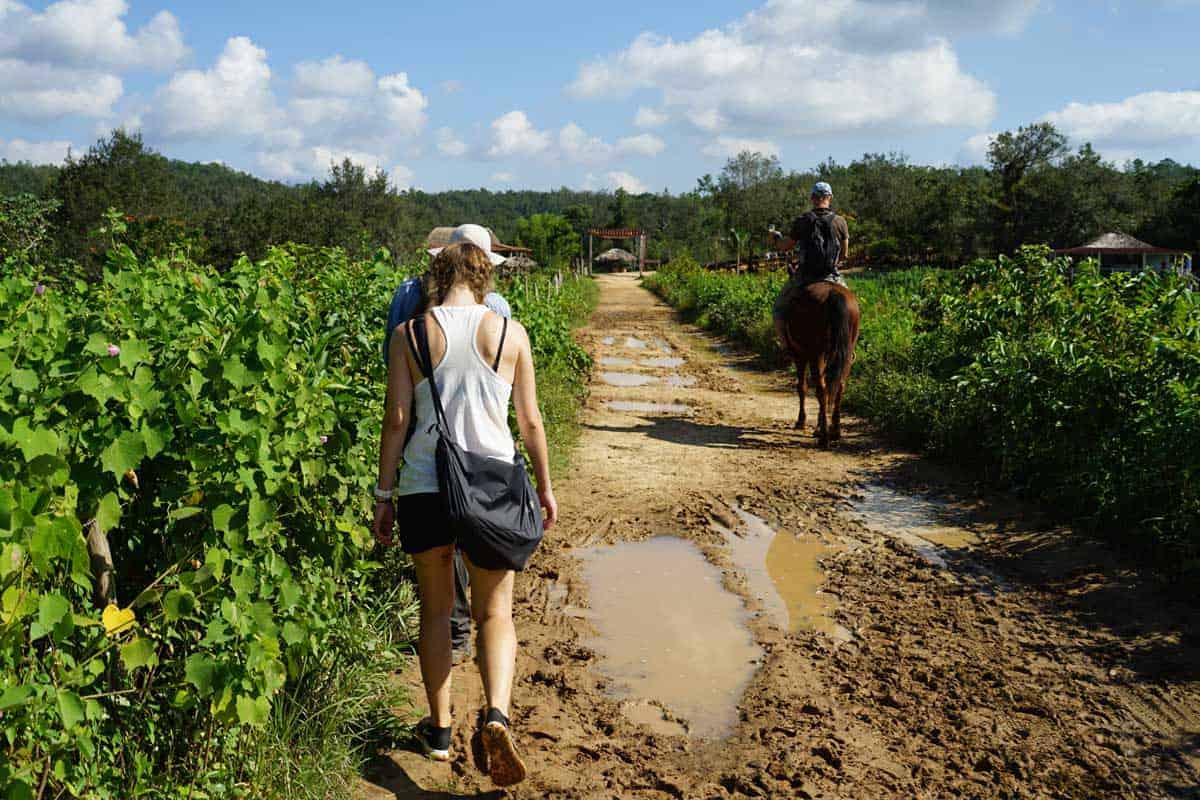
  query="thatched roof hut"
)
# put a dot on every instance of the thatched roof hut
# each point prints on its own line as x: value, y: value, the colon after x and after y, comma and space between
x: 518, y: 265
x: 1120, y: 251
x: 616, y: 256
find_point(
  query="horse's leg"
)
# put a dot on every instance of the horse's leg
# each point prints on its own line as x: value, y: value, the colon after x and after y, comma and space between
x: 835, y: 432
x: 801, y: 391
x: 818, y: 374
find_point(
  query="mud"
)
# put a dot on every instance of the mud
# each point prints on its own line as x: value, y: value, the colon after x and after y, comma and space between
x: 1077, y: 679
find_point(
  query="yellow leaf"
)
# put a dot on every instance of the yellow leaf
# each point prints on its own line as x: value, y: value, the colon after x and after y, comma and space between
x: 117, y: 620
x: 195, y: 497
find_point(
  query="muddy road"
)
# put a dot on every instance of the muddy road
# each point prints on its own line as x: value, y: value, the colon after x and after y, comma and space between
x: 728, y: 611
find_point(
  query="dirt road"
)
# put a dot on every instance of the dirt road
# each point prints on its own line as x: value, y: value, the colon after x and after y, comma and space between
x: 728, y: 611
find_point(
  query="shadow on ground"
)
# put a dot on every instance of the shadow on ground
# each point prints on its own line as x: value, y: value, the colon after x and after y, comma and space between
x: 384, y: 773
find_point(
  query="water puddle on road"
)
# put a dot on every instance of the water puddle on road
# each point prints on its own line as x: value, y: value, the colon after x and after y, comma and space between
x: 627, y: 379
x: 614, y: 361
x: 663, y: 363
x: 663, y: 345
x: 928, y: 526
x: 609, y: 340
x: 784, y: 573
x: 634, y: 343
x: 670, y: 632
x: 679, y: 380
x: 642, y: 407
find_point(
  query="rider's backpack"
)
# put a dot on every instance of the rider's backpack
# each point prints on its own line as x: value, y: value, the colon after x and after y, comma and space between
x: 823, y: 247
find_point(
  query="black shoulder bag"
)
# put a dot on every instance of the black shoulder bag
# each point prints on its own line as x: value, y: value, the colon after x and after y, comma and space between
x: 490, y: 503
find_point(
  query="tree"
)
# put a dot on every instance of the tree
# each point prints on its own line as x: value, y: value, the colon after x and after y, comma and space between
x: 24, y: 225
x: 619, y: 209
x: 118, y: 172
x: 751, y: 192
x: 551, y: 237
x: 1013, y: 157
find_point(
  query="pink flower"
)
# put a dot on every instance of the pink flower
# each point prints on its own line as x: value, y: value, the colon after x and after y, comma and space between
x: 114, y: 351
x: 324, y: 439
x: 39, y: 290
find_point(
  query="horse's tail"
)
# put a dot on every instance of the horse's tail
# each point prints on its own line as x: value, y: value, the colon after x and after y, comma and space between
x: 838, y: 359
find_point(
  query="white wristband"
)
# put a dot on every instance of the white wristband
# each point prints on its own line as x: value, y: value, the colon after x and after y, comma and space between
x: 383, y: 494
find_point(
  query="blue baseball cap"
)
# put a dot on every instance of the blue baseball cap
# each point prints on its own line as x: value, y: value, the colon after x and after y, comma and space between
x: 822, y: 189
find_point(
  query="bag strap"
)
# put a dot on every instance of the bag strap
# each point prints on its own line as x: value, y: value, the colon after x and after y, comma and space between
x: 500, y: 349
x: 426, y: 362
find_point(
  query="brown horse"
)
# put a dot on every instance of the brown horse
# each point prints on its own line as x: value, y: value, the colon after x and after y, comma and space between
x: 822, y: 329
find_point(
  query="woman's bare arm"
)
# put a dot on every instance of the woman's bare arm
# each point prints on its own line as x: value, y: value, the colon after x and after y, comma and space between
x: 396, y: 407
x: 529, y: 421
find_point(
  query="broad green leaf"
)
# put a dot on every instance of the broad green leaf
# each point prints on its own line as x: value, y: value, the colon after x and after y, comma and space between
x: 133, y: 352
x: 138, y: 653
x: 183, y: 513
x: 292, y: 633
x: 15, y: 696
x: 33, y: 441
x: 236, y: 373
x: 214, y: 559
x: 269, y: 353
x: 200, y: 670
x: 52, y: 609
x: 52, y: 469
x: 25, y: 379
x: 124, y: 453
x: 261, y: 512
x: 108, y: 513
x: 178, y: 603
x: 253, y: 711
x: 155, y: 438
x: 71, y: 708
x: 222, y: 515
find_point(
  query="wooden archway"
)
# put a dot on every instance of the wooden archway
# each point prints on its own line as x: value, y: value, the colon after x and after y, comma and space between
x: 637, y: 234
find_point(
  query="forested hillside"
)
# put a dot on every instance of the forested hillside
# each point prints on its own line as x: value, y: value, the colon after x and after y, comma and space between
x: 1035, y: 189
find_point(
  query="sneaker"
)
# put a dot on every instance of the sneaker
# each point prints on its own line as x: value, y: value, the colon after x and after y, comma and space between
x: 435, y: 741
x: 504, y: 765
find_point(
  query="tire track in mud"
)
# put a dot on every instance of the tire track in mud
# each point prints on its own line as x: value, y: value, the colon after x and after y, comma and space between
x: 1033, y: 666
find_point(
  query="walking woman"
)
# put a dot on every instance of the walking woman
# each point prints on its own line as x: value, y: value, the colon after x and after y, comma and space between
x: 479, y: 361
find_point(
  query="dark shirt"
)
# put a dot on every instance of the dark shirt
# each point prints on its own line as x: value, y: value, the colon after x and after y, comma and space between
x: 802, y: 229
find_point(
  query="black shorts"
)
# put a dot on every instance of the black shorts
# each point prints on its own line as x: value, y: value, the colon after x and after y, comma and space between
x: 422, y: 523
x: 423, y: 526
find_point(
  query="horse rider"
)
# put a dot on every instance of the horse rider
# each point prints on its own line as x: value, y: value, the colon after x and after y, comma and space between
x: 822, y: 240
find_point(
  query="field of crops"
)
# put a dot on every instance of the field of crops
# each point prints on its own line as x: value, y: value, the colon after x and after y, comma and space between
x: 220, y: 429
x: 1078, y: 388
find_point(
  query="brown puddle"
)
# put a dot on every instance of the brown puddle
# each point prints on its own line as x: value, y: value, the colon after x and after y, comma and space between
x: 670, y: 632
x: 784, y: 574
x: 679, y: 380
x: 927, y: 526
x: 642, y: 407
x: 663, y: 362
x: 627, y: 379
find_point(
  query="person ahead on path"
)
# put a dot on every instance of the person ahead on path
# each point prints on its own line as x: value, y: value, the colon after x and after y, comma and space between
x: 822, y: 240
x: 409, y: 300
x: 480, y: 362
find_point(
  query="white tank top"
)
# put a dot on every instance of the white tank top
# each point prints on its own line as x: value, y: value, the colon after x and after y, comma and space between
x: 474, y: 400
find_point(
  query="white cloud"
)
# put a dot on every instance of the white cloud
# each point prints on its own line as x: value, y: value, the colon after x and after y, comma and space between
x: 448, y: 144
x: 615, y: 180
x: 315, y: 161
x: 15, y: 150
x: 881, y: 65
x: 729, y: 146
x: 514, y: 135
x: 644, y: 144
x: 974, y: 150
x: 46, y: 91
x: 1152, y: 118
x: 89, y: 34
x: 650, y: 117
x: 577, y: 146
x: 401, y: 176
x: 402, y: 105
x: 232, y: 98
x: 334, y: 76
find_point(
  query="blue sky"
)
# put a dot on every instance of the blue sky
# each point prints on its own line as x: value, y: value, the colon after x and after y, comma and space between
x: 541, y: 95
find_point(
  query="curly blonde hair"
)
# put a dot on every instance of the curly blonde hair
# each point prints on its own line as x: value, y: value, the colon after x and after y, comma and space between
x: 458, y: 263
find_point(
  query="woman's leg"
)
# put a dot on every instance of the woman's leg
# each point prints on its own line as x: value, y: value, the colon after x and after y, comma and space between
x: 435, y: 586
x: 491, y: 605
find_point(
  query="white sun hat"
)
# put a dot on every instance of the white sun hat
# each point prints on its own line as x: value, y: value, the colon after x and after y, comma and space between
x: 476, y: 235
